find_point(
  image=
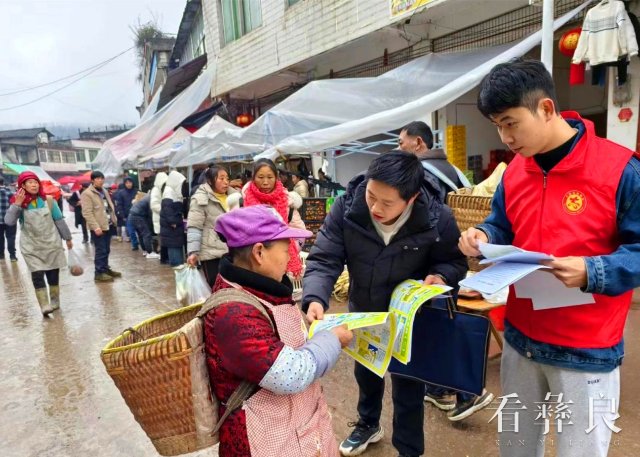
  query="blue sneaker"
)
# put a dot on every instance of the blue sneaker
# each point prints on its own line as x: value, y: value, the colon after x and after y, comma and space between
x: 360, y: 438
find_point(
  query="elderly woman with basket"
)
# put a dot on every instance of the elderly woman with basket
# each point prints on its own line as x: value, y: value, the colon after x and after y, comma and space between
x: 42, y: 228
x: 256, y: 338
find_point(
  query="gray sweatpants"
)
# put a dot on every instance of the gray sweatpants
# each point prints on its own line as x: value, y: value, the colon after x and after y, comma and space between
x: 547, y: 392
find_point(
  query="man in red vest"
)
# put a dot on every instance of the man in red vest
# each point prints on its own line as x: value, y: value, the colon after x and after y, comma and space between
x: 573, y: 195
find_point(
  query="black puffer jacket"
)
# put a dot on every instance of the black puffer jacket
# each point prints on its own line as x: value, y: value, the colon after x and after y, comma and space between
x: 426, y: 244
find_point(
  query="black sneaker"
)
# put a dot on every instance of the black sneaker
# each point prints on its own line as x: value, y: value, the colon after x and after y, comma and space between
x: 466, y: 409
x: 360, y: 438
x: 13, y: 258
x: 443, y: 402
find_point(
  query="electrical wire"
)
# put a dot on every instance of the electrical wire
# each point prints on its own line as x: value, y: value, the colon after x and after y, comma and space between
x: 63, y: 87
x: 100, y: 65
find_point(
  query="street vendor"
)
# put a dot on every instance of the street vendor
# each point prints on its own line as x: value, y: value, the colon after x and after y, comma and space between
x: 387, y: 229
x: 287, y: 416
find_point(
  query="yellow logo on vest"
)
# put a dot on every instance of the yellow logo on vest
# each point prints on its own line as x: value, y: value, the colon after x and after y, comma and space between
x: 574, y: 202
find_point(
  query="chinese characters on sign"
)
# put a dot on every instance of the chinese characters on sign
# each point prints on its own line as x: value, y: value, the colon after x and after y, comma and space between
x: 554, y: 410
x: 399, y: 7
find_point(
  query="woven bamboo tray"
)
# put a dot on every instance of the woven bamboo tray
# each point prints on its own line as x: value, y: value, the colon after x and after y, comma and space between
x: 159, y: 366
x: 469, y: 211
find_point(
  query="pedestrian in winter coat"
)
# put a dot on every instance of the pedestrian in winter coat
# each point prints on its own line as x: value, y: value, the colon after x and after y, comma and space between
x: 42, y: 228
x: 123, y: 200
x: 574, y: 196
x: 300, y: 186
x: 140, y: 218
x: 266, y: 189
x: 417, y: 138
x: 172, y: 215
x: 207, y: 203
x: 387, y: 229
x: 7, y: 232
x: 156, y: 204
x: 100, y: 214
x: 287, y: 416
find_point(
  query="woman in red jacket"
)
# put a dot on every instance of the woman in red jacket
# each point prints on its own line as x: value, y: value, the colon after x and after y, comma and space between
x: 287, y: 416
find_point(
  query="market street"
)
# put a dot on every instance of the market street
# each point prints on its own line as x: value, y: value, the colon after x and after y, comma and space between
x: 56, y: 399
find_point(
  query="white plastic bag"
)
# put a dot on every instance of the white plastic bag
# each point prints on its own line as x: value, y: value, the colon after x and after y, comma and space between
x: 75, y: 263
x: 191, y: 286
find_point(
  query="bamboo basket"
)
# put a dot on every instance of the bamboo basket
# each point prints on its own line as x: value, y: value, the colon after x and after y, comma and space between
x: 159, y: 366
x: 469, y: 211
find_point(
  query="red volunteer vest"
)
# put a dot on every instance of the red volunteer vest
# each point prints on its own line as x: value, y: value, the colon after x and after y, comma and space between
x: 571, y: 212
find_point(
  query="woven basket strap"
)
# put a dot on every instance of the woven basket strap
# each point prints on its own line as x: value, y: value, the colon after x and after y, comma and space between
x: 242, y: 392
x: 246, y: 388
x: 233, y: 295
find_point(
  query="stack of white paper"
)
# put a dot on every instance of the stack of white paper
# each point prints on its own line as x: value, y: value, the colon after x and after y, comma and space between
x: 513, y: 265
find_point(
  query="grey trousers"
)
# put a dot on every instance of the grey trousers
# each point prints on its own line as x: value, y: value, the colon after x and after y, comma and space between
x: 587, y: 409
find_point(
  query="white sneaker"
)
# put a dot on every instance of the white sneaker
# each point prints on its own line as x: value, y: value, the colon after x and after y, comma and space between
x: 144, y: 253
x: 152, y: 255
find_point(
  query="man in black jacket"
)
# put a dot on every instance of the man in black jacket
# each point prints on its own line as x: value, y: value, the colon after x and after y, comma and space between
x: 387, y: 228
x: 417, y: 138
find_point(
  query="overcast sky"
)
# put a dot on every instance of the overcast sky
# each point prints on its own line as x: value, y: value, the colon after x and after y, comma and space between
x: 44, y: 40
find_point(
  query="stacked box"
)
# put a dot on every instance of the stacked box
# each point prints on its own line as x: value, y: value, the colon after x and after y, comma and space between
x: 456, y: 143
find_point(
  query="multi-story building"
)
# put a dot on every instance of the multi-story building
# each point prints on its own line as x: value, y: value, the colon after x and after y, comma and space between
x: 157, y: 52
x: 265, y: 50
x: 21, y: 146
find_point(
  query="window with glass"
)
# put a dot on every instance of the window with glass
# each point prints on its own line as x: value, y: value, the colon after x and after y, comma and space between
x: 239, y: 17
x: 93, y: 153
x: 292, y: 2
x: 54, y: 156
x: 42, y: 155
x: 69, y: 157
x: 80, y: 156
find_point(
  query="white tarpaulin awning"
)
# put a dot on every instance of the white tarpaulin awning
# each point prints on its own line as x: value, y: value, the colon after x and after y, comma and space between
x: 197, y: 149
x: 127, y: 146
x: 328, y: 113
x: 158, y: 155
x: 470, y: 67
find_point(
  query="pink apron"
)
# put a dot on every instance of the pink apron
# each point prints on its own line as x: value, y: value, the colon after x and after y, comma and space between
x: 296, y: 425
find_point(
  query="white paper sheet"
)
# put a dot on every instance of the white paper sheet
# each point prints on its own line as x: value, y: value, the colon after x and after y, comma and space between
x: 547, y: 292
x: 499, y: 276
x: 501, y: 253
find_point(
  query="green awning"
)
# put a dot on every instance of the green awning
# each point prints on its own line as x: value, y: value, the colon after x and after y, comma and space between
x: 16, y: 169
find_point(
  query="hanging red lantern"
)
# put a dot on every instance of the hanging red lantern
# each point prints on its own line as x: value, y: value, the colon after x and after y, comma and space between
x: 244, y: 119
x: 569, y: 41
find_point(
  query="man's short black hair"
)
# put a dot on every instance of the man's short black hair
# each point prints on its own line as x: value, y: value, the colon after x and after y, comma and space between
x: 515, y: 84
x: 400, y: 170
x: 421, y: 129
x: 96, y: 174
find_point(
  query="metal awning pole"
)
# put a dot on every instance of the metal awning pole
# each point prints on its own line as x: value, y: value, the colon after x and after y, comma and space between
x: 548, y: 8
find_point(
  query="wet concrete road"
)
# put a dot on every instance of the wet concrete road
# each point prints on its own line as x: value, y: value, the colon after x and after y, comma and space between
x: 57, y: 400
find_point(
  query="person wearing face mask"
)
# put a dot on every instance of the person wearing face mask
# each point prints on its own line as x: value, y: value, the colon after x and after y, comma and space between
x: 266, y: 189
x: 208, y: 202
x: 386, y: 228
x: 417, y: 138
x: 42, y: 228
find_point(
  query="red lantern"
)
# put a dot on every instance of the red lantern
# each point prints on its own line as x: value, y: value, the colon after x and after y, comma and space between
x: 625, y: 115
x: 569, y: 41
x: 244, y: 119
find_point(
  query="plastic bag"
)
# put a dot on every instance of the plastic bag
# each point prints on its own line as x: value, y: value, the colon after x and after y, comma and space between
x: 191, y: 286
x: 75, y: 263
